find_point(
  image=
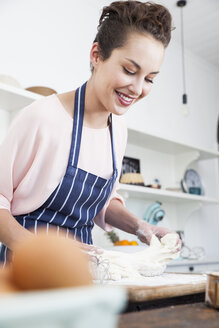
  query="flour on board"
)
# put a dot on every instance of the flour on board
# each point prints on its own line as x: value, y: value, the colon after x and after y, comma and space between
x: 149, y: 262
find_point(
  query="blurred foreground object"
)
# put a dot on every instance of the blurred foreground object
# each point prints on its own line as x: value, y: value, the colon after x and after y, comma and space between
x: 6, y: 285
x: 90, y: 306
x: 49, y: 261
x: 43, y: 262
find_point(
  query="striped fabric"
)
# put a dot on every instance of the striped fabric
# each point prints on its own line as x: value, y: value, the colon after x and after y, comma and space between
x: 80, y: 195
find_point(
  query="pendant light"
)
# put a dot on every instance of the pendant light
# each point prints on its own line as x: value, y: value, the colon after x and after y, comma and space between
x: 218, y: 133
x: 185, y: 110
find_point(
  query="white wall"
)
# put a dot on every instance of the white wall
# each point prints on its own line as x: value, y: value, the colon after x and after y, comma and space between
x: 162, y: 109
x: 48, y: 42
x: 161, y: 114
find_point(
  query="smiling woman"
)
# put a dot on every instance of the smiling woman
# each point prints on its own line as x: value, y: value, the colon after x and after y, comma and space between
x: 128, y: 51
x: 63, y: 153
x: 127, y: 75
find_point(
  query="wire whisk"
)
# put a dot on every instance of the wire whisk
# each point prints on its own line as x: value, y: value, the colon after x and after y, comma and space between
x: 100, y: 269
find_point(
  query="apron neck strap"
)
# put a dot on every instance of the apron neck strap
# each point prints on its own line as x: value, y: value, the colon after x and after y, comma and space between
x: 77, y: 125
x: 112, y: 143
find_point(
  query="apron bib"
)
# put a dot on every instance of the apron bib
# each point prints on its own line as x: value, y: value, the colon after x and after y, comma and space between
x: 80, y: 195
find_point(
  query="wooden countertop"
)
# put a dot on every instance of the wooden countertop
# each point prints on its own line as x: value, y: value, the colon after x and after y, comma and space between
x: 192, y: 284
x: 196, y: 315
x: 140, y: 294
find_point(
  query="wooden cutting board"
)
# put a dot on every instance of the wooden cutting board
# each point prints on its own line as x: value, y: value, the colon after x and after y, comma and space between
x: 188, y: 284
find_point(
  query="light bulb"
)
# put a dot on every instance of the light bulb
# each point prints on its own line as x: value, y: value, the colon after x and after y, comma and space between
x: 185, y: 108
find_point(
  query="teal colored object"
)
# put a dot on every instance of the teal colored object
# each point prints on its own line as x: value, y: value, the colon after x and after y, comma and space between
x: 154, y: 213
x: 195, y: 190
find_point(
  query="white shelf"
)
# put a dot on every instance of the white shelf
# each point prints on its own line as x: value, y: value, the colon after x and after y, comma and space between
x: 167, y: 146
x: 196, y: 266
x: 193, y: 262
x: 13, y: 98
x: 162, y: 195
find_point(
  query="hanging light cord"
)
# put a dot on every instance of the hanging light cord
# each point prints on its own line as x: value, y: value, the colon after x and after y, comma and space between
x: 183, y: 55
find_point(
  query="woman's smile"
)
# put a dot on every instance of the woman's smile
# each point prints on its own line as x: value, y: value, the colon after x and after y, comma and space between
x: 124, y: 99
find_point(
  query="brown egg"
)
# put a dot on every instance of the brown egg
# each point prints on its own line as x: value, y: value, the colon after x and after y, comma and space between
x: 6, y: 286
x: 49, y: 261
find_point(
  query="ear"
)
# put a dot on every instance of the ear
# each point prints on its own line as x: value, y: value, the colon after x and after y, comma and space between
x: 94, y: 55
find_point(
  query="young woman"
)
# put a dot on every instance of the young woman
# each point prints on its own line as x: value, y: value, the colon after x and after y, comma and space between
x: 61, y: 159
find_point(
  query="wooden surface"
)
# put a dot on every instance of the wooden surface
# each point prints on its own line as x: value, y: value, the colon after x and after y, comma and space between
x: 144, y: 293
x: 196, y: 315
x: 148, y: 293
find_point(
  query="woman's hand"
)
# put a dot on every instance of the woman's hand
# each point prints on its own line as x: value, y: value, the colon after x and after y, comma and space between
x: 146, y: 230
x: 90, y: 250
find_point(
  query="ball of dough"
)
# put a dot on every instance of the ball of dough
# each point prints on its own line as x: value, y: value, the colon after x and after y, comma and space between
x: 49, y: 261
x: 170, y: 240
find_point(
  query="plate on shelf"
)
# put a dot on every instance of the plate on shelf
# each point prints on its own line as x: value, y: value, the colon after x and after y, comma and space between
x: 191, y: 183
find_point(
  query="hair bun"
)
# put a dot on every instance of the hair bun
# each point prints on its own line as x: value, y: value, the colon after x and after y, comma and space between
x: 122, y: 17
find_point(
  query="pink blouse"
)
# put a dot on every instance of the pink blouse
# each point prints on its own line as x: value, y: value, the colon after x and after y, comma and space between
x: 35, y: 151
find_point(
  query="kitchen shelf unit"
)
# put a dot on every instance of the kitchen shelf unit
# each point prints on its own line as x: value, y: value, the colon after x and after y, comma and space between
x: 194, y: 266
x: 13, y: 98
x: 166, y: 145
x: 163, y: 195
x: 182, y: 156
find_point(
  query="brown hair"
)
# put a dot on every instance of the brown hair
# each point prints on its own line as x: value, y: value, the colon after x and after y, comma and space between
x: 122, y: 17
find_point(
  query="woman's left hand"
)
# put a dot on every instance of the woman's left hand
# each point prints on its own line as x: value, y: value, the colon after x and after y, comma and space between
x: 90, y: 251
x: 146, y: 230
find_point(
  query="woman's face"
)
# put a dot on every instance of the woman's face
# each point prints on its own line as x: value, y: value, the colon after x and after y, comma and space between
x: 127, y: 75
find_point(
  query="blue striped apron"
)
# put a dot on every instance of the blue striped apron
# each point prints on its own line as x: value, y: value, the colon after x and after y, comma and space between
x: 80, y: 195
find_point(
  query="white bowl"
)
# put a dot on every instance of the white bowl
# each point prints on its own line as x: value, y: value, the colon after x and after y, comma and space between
x: 88, y: 306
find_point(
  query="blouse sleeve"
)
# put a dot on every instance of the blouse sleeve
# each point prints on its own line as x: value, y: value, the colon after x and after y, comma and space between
x: 120, y: 137
x: 17, y: 153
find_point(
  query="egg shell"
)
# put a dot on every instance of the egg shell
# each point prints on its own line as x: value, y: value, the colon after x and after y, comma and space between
x: 49, y: 261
